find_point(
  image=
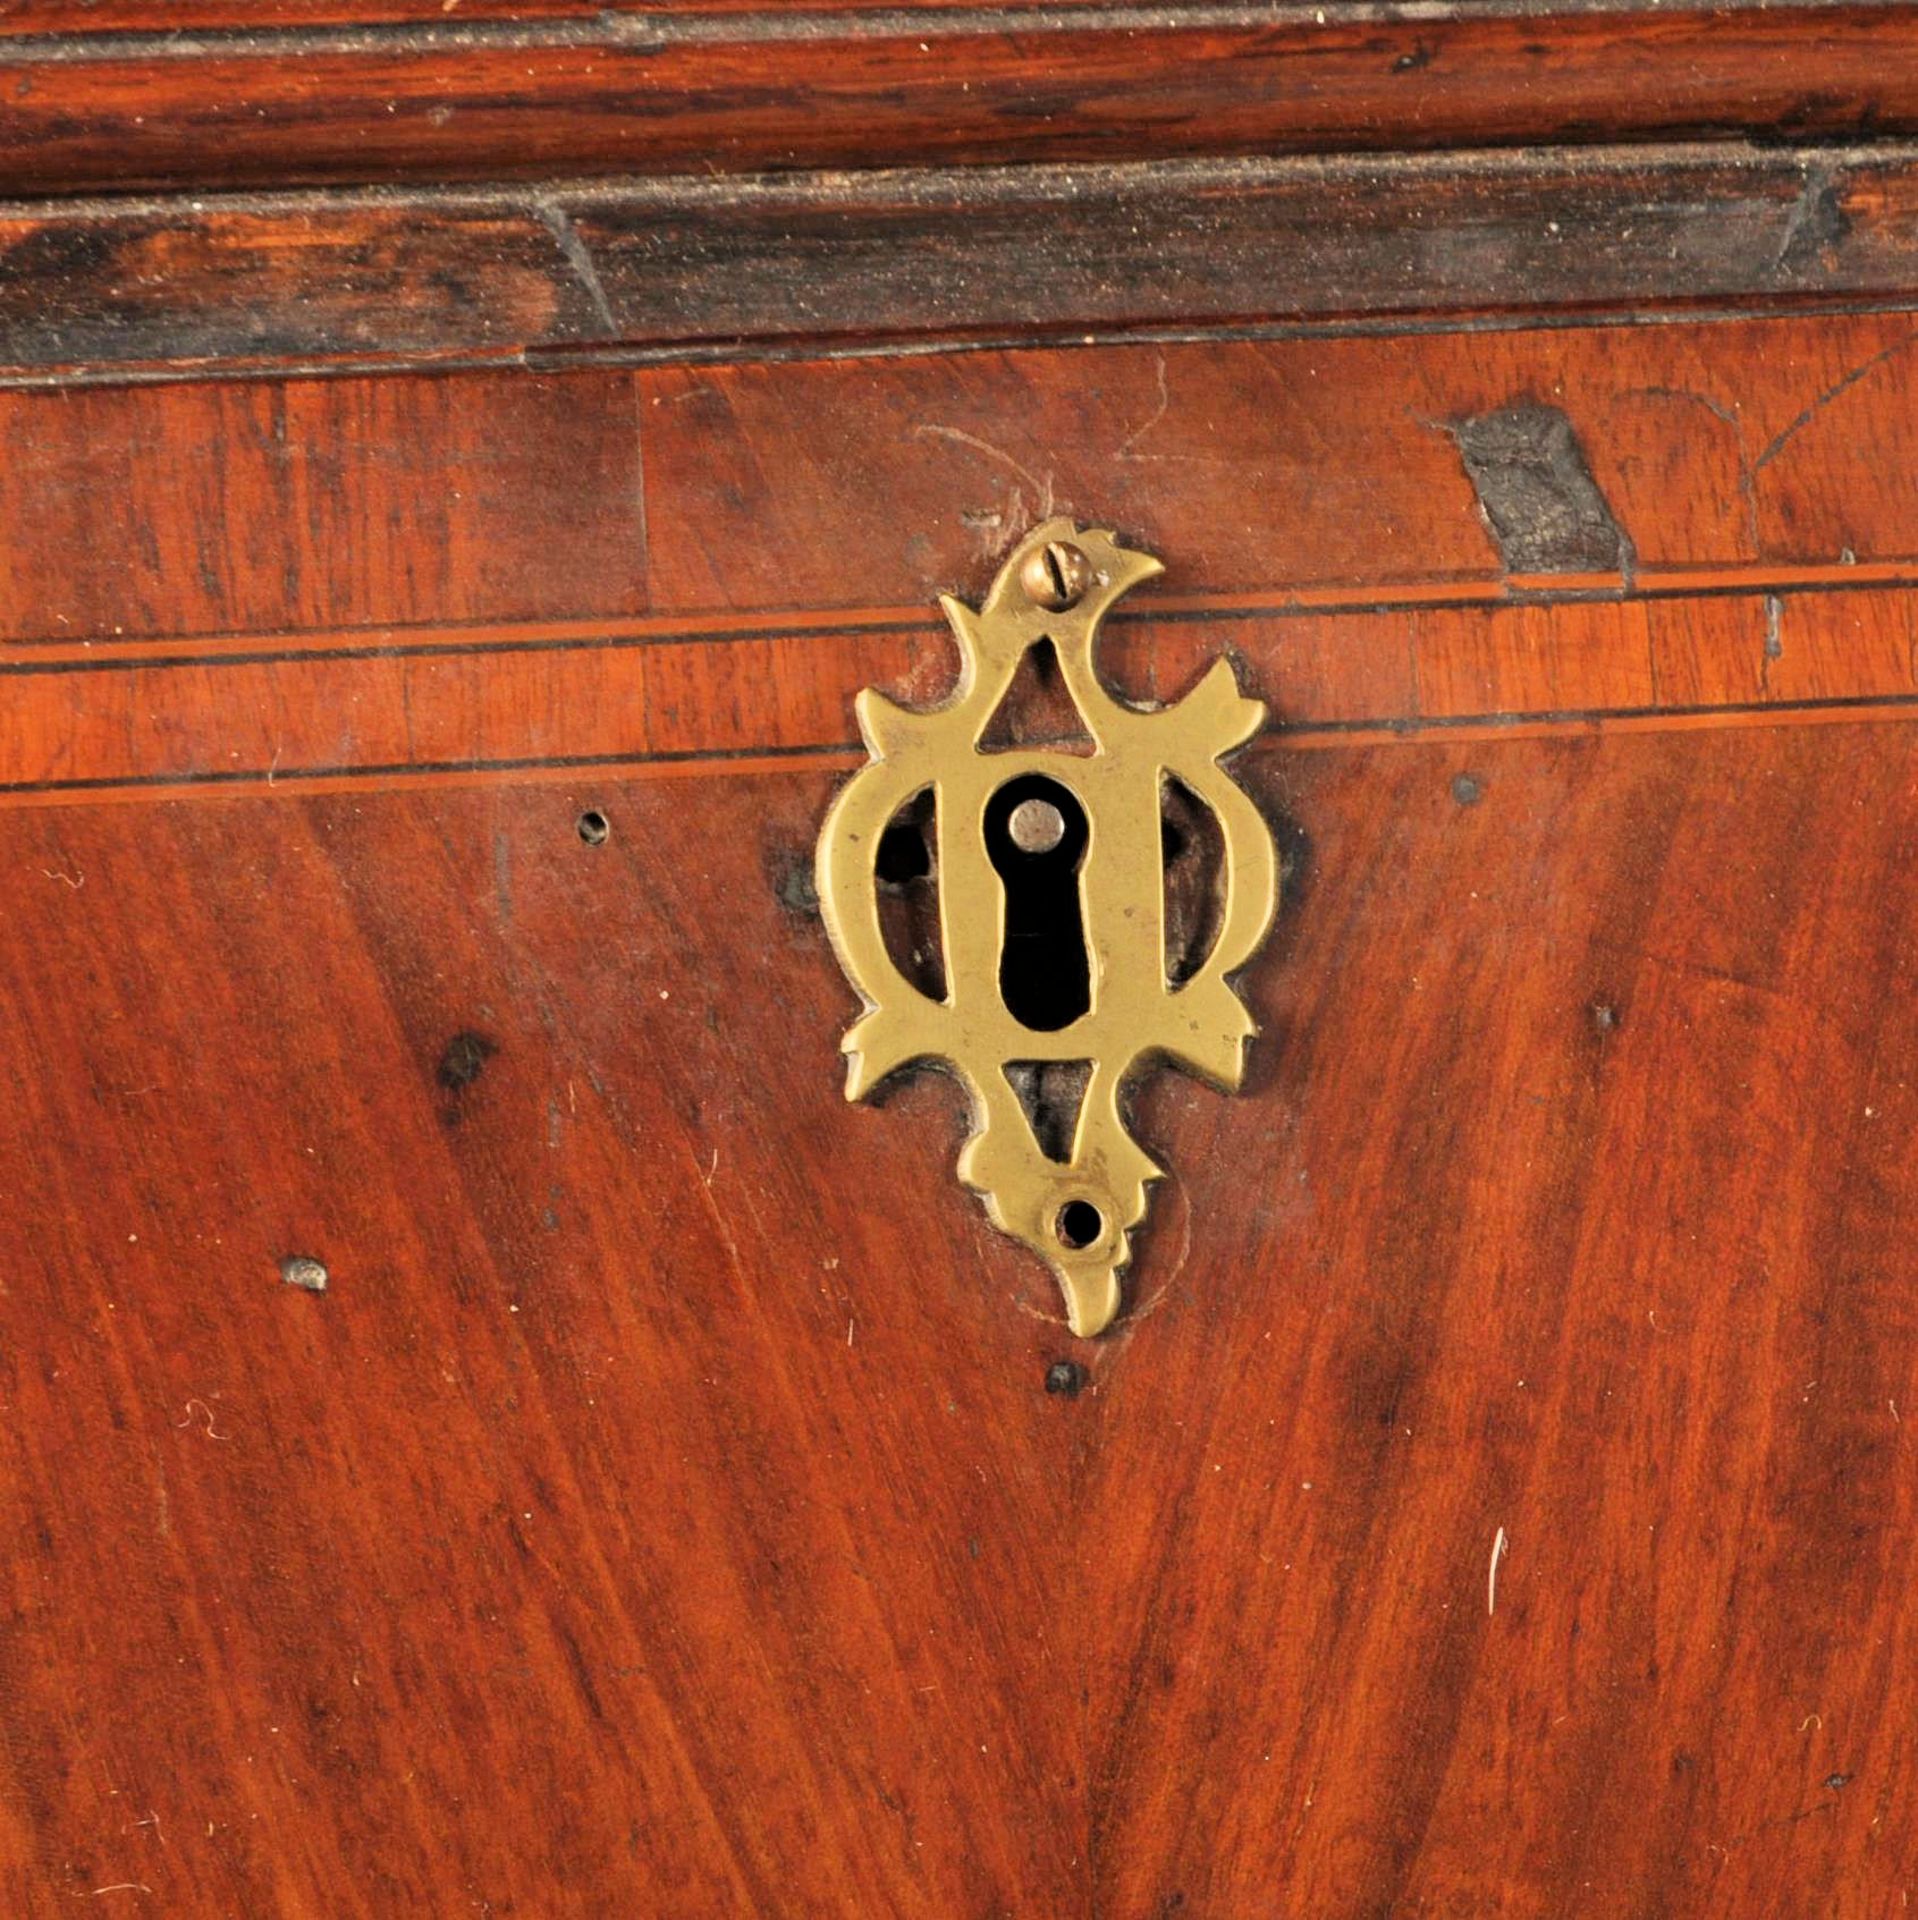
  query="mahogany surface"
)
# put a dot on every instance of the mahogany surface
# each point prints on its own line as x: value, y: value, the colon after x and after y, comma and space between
x: 663, y: 1507
x: 664, y: 1501
x: 1495, y: 1499
x: 680, y: 93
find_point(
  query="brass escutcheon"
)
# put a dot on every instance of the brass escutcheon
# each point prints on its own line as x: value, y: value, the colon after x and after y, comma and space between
x: 1102, y: 809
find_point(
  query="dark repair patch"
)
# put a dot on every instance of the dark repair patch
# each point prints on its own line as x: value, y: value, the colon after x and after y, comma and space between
x: 1538, y: 495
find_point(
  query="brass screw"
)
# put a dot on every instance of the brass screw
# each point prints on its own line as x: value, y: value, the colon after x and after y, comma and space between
x: 1036, y: 826
x: 1056, y: 575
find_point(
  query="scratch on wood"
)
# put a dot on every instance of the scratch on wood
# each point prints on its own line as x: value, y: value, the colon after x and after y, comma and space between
x: 1043, y: 488
x: 1864, y: 368
x: 1499, y: 1549
x: 1145, y: 426
x: 559, y: 223
x: 1731, y: 417
x: 1817, y: 224
x: 205, y: 1413
x: 1774, y: 637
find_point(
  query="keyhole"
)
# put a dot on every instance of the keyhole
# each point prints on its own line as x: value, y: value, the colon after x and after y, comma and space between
x: 1036, y: 837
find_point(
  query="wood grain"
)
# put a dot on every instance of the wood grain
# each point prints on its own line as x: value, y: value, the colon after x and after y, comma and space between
x: 353, y: 713
x: 718, y: 1501
x: 653, y: 568
x: 529, y: 1467
x: 637, y: 270
x: 320, y: 503
x: 1738, y: 454
x: 1589, y: 1117
x: 1713, y: 444
x: 624, y: 93
x: 200, y: 16
x: 678, y: 1499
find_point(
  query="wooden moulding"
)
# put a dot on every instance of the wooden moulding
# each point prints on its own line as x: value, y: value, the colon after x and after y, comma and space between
x: 381, y: 95
x: 203, y: 16
x: 772, y: 266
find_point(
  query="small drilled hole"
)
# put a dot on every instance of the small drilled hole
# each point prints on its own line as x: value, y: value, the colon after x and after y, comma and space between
x: 594, y: 828
x: 1079, y: 1224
